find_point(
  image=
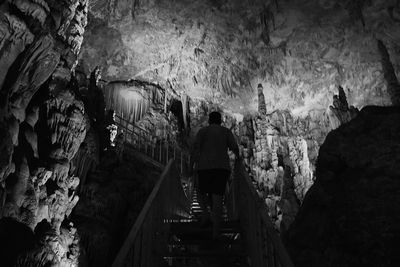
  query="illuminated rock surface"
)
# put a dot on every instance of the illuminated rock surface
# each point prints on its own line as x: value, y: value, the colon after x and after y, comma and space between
x: 214, y: 49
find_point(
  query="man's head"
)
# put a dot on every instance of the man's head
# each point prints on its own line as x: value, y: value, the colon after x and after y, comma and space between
x: 215, y: 118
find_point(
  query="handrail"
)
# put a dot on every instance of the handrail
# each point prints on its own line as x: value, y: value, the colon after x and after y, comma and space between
x: 120, y: 119
x: 147, y: 239
x: 159, y: 149
x: 264, y: 246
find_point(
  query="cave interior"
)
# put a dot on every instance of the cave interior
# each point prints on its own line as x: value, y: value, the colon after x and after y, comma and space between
x: 97, y: 96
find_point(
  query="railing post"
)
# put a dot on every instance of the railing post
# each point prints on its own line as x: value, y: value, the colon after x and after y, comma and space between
x: 125, y: 135
x: 181, y: 162
x: 160, y: 154
x: 139, y: 141
x: 167, y: 147
x: 145, y: 145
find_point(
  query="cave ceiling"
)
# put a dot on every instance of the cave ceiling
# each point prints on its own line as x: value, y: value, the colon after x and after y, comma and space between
x: 219, y: 51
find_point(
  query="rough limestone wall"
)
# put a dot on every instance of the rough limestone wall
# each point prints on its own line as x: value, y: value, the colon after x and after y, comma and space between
x: 281, y: 163
x: 299, y: 51
x: 42, y: 126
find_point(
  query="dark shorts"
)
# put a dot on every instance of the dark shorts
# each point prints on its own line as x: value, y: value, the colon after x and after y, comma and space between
x: 213, y: 181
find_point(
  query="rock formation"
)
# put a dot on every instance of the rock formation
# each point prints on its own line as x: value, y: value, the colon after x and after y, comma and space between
x: 340, y: 110
x: 262, y: 109
x: 349, y: 217
x: 280, y: 159
x: 389, y: 74
x: 42, y: 124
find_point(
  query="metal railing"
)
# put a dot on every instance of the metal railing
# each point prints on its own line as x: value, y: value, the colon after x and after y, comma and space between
x: 263, y: 244
x: 147, y: 240
x: 159, y: 149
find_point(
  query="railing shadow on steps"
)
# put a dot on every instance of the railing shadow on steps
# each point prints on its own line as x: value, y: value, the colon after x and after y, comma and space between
x: 147, y: 240
x: 263, y: 244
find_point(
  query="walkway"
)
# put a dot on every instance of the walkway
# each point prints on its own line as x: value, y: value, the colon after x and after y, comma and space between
x: 167, y: 232
x: 191, y: 244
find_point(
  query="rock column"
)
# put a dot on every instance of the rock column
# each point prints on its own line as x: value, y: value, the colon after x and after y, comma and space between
x: 42, y: 124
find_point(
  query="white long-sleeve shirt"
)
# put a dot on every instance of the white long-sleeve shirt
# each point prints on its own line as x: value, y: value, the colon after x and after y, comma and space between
x: 211, y: 146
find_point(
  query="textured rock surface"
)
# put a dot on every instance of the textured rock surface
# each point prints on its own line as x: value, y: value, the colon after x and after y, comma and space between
x: 281, y: 160
x: 300, y: 51
x: 340, y: 110
x: 42, y: 125
x: 350, y: 215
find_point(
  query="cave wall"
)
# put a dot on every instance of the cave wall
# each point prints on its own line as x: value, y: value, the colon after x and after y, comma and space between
x: 43, y: 123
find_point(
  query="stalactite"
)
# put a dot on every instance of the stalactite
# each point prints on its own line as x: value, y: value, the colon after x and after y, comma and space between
x: 165, y: 101
x: 135, y: 5
x: 184, y: 100
x: 133, y: 99
x: 111, y: 7
x: 393, y: 85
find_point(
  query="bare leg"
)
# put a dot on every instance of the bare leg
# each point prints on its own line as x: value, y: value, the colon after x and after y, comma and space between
x: 217, y: 214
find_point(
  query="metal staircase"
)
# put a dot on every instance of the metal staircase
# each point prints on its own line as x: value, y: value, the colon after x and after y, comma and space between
x: 167, y: 231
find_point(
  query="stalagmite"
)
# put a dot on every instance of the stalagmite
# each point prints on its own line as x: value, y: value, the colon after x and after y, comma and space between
x: 262, y: 109
x: 341, y: 112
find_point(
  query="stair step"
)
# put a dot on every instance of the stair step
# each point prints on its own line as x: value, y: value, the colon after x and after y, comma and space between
x: 204, y: 242
x: 205, y: 254
x: 195, y: 227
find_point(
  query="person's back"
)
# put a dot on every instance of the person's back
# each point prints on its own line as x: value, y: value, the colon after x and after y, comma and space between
x: 213, y: 143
